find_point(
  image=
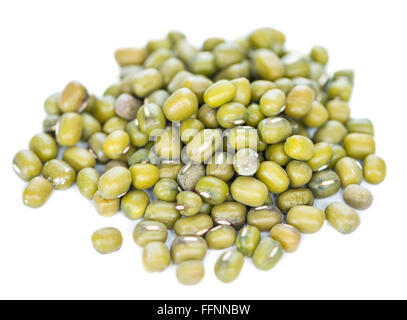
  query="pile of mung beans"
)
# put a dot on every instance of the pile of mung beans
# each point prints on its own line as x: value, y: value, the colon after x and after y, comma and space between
x: 228, y: 145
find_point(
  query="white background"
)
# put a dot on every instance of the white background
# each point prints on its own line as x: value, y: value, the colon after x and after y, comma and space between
x: 47, y: 253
